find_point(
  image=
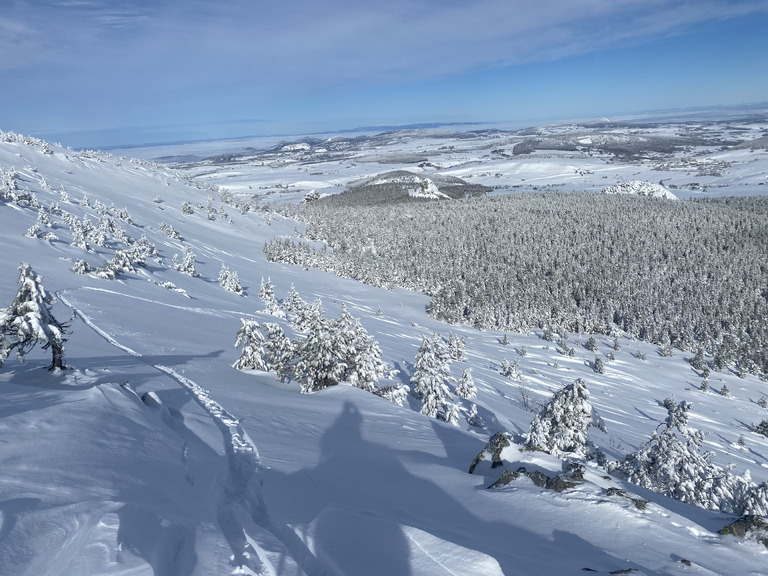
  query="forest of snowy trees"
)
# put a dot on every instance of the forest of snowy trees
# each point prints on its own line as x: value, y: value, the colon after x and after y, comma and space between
x: 686, y: 274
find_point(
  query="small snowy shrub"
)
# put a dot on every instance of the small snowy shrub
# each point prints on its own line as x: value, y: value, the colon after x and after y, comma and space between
x: 396, y: 393
x: 187, y: 265
x: 81, y: 267
x: 170, y: 231
x: 511, y: 370
x: 229, y: 280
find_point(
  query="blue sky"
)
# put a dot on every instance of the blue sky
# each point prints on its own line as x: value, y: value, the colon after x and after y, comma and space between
x: 107, y: 72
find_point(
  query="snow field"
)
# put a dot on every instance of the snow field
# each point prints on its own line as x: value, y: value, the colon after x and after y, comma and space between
x: 234, y: 472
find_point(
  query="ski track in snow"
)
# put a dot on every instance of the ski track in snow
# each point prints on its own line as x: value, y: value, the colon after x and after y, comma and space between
x: 242, y: 513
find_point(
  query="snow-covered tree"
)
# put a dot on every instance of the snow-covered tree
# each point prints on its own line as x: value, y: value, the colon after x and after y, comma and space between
x: 473, y: 418
x: 358, y: 351
x: 672, y: 464
x: 466, y: 386
x: 29, y: 320
x: 457, y: 346
x: 279, y: 350
x: 304, y: 316
x: 81, y: 267
x: 127, y: 260
x: 251, y: 340
x: 187, y: 264
x: 229, y: 280
x: 511, y: 370
x: 396, y: 393
x: 431, y: 376
x: 294, y: 302
x: 267, y: 295
x: 318, y: 364
x: 561, y: 426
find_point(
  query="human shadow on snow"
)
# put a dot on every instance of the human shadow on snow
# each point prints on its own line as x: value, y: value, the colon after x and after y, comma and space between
x: 353, y: 504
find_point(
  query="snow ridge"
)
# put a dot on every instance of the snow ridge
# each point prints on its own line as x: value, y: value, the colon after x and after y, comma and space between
x: 242, y: 514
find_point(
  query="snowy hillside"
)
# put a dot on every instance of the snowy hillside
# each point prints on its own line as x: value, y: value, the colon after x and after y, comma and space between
x: 641, y: 188
x: 151, y: 455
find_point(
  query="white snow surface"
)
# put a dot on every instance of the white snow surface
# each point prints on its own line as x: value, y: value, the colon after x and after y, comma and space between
x: 641, y: 189
x: 151, y: 455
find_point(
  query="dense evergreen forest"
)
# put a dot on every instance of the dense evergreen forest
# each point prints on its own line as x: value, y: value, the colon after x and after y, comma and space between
x: 686, y: 274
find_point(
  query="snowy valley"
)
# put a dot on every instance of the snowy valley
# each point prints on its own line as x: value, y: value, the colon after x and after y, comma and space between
x: 151, y: 454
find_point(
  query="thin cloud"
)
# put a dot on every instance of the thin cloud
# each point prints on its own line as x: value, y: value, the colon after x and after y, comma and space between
x: 310, y: 42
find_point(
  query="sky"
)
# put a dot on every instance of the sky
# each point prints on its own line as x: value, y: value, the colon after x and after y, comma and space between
x: 101, y: 73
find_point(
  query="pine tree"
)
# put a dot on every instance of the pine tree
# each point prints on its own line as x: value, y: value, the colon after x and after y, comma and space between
x: 250, y: 338
x: 229, y: 281
x: 29, y: 320
x: 457, y: 347
x: 187, y: 265
x: 671, y: 463
x: 562, y: 424
x: 318, y: 364
x: 431, y: 376
x: 279, y: 350
x: 267, y: 295
x: 598, y: 365
x: 294, y: 303
x: 358, y: 351
x: 466, y: 387
x: 305, y: 315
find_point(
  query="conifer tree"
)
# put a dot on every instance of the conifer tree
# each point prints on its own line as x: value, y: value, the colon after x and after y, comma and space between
x: 562, y: 424
x: 279, y: 350
x: 29, y: 320
x: 671, y: 463
x: 250, y: 338
x: 466, y: 387
x: 358, y: 351
x: 267, y: 295
x: 187, y: 265
x: 229, y: 280
x: 431, y: 376
x: 318, y: 364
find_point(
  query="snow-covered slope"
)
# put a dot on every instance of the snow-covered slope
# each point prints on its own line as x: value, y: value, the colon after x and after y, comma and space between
x: 152, y: 455
x: 640, y: 188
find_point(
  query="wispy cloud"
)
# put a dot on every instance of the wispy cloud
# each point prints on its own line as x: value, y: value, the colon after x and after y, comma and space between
x: 311, y: 41
x: 137, y: 62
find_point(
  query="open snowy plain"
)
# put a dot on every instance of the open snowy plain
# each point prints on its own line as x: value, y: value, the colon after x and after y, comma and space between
x: 151, y: 455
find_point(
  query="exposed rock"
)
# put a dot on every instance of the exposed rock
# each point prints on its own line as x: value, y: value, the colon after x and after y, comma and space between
x: 539, y: 478
x: 575, y: 470
x: 559, y: 483
x: 640, y: 504
x: 493, y: 448
x: 505, y: 478
x: 750, y: 528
